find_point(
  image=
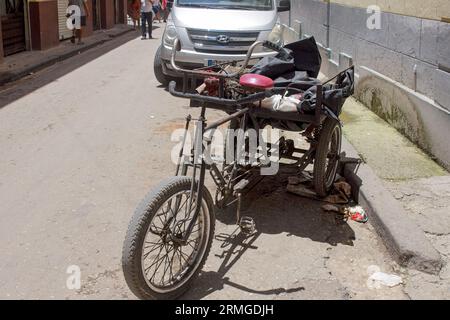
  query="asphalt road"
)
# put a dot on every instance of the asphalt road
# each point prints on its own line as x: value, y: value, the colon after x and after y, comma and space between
x: 83, y: 141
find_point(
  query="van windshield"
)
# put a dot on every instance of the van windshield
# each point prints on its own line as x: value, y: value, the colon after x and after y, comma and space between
x: 228, y: 4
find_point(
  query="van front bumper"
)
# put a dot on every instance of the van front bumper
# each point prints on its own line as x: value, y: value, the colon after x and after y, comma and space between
x: 191, y: 59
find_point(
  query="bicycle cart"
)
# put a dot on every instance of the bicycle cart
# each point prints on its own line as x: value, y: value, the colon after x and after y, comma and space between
x: 170, y: 234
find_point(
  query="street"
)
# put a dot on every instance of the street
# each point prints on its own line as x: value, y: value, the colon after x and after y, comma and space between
x: 83, y: 141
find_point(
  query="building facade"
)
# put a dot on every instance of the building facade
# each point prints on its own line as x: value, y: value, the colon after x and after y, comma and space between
x: 41, y: 24
x: 402, y: 58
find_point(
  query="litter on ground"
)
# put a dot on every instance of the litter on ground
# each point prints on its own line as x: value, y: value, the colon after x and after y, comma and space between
x: 377, y: 279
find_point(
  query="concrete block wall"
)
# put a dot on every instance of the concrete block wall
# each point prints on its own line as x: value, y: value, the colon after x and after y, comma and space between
x: 429, y: 9
x: 404, y: 46
x: 1, y: 46
x: 413, y: 53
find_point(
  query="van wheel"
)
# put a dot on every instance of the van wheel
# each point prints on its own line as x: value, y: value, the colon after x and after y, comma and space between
x: 158, y: 69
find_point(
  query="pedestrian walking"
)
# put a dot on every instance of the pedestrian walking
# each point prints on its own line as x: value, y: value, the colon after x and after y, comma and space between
x: 146, y: 18
x: 167, y: 4
x: 157, y: 10
x: 163, y: 8
x: 77, y: 31
x: 134, y: 9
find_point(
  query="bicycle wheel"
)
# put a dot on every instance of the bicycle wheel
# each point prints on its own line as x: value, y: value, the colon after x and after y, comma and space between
x: 157, y: 263
x: 327, y: 156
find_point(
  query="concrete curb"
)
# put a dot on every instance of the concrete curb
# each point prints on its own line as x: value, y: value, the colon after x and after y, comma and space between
x: 8, y: 77
x: 403, y: 238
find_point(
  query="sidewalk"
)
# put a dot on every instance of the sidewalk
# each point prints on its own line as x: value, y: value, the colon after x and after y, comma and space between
x: 416, y: 181
x: 22, y: 64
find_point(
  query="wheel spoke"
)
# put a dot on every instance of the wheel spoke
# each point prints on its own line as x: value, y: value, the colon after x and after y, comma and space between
x: 192, y: 246
x: 160, y: 219
x: 166, y: 258
x: 157, y: 257
x: 152, y: 250
x: 157, y: 233
x: 171, y: 265
x: 168, y: 267
x: 184, y: 203
x: 159, y: 263
x: 195, y: 230
x: 183, y: 255
x: 179, y: 256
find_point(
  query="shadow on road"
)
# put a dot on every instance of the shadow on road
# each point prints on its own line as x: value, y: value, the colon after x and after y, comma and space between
x: 275, y: 211
x: 20, y: 88
x: 234, y: 246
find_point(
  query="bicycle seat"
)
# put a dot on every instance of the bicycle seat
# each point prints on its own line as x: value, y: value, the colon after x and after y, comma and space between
x: 256, y: 81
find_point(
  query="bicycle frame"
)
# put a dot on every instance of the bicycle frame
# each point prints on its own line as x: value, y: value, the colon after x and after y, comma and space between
x: 197, y: 156
x: 199, y: 165
x: 243, y: 108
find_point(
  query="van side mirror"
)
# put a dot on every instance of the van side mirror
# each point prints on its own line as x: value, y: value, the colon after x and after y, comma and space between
x: 284, y: 5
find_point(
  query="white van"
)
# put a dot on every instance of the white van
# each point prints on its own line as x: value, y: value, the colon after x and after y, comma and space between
x: 212, y: 31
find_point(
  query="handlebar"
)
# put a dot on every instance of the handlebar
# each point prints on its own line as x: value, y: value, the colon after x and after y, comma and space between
x: 222, y: 101
x: 275, y: 47
x: 267, y: 44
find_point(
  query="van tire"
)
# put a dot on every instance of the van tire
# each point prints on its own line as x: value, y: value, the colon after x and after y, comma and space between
x: 158, y: 69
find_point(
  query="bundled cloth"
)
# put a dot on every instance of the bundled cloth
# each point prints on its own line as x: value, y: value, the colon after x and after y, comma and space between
x: 299, y: 69
x: 302, y: 64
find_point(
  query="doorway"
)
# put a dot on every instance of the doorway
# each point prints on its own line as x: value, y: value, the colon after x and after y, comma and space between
x: 96, y: 19
x: 12, y: 16
x: 117, y: 18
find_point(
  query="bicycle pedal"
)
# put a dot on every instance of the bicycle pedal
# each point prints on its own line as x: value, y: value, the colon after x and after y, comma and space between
x: 247, y: 225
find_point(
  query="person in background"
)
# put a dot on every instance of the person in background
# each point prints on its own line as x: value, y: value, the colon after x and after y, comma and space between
x: 84, y: 12
x: 157, y: 10
x: 134, y: 8
x: 146, y: 18
x: 167, y: 8
x: 163, y: 8
x: 160, y: 13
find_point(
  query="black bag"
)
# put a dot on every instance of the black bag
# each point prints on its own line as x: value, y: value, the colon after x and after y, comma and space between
x: 304, y: 61
x: 306, y: 56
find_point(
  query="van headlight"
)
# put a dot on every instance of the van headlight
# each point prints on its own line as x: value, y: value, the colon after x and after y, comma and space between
x: 276, y: 35
x: 170, y: 34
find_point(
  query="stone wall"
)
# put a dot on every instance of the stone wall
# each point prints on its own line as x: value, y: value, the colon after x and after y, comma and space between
x: 429, y: 9
x: 407, y: 53
x: 1, y: 44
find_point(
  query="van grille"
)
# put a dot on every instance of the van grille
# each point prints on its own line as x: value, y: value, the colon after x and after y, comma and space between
x: 222, y: 41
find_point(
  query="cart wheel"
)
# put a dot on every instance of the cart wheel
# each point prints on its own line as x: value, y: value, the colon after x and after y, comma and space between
x: 157, y: 262
x: 327, y: 156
